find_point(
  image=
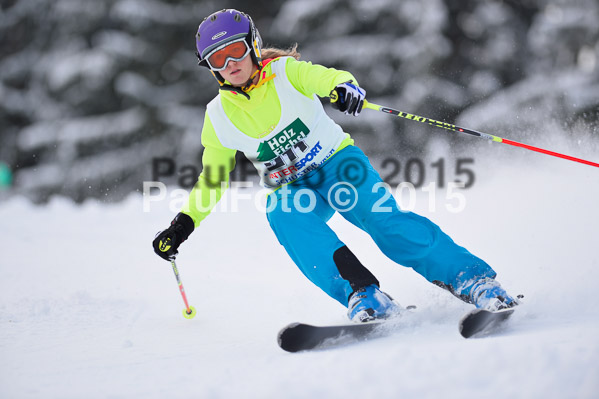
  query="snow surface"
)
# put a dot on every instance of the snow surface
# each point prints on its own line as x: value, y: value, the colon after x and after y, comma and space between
x: 87, y: 309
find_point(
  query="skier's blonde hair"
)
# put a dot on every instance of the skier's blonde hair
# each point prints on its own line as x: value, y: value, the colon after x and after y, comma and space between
x: 274, y: 52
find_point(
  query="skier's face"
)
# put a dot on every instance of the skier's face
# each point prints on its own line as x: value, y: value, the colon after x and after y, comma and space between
x: 238, y: 72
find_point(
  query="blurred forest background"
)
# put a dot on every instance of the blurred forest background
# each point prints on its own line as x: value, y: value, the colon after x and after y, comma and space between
x: 92, y: 91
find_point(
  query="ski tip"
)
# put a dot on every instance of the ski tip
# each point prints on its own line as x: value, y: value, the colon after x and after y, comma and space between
x: 288, y: 337
x: 481, y: 321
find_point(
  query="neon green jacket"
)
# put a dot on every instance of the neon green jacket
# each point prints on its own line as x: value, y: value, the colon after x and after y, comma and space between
x: 256, y: 117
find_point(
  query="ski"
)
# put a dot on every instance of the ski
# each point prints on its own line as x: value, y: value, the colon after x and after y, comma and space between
x: 297, y: 337
x: 479, y: 321
x: 302, y: 337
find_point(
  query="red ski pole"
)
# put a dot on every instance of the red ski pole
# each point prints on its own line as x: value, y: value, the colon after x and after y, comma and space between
x: 189, y: 312
x: 457, y: 129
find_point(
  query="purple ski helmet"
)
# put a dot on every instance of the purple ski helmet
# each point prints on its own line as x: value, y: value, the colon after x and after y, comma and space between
x: 223, y: 27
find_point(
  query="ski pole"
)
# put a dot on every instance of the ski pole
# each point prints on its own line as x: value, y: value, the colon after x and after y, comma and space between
x: 458, y: 129
x: 189, y: 312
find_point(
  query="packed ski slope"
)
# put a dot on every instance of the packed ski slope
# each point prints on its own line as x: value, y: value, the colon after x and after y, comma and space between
x: 87, y: 310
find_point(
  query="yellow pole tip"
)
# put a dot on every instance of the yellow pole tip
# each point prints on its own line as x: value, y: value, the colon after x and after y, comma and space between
x: 189, y: 314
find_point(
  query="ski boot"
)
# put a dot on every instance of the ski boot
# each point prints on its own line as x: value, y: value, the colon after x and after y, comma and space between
x: 370, y: 303
x: 488, y: 294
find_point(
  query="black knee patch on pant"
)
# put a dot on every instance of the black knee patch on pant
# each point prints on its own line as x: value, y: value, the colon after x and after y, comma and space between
x: 352, y: 270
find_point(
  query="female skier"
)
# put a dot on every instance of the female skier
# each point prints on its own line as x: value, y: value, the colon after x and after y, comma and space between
x: 267, y: 107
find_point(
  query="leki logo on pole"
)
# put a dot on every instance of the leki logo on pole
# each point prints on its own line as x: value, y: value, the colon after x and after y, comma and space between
x: 282, y: 141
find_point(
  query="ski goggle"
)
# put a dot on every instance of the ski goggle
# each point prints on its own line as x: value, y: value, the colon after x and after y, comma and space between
x: 218, y: 59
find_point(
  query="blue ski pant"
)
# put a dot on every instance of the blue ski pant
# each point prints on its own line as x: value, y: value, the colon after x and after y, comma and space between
x: 347, y: 183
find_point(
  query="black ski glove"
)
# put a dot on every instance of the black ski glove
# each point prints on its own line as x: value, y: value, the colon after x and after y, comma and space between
x: 348, y: 98
x: 166, y: 242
